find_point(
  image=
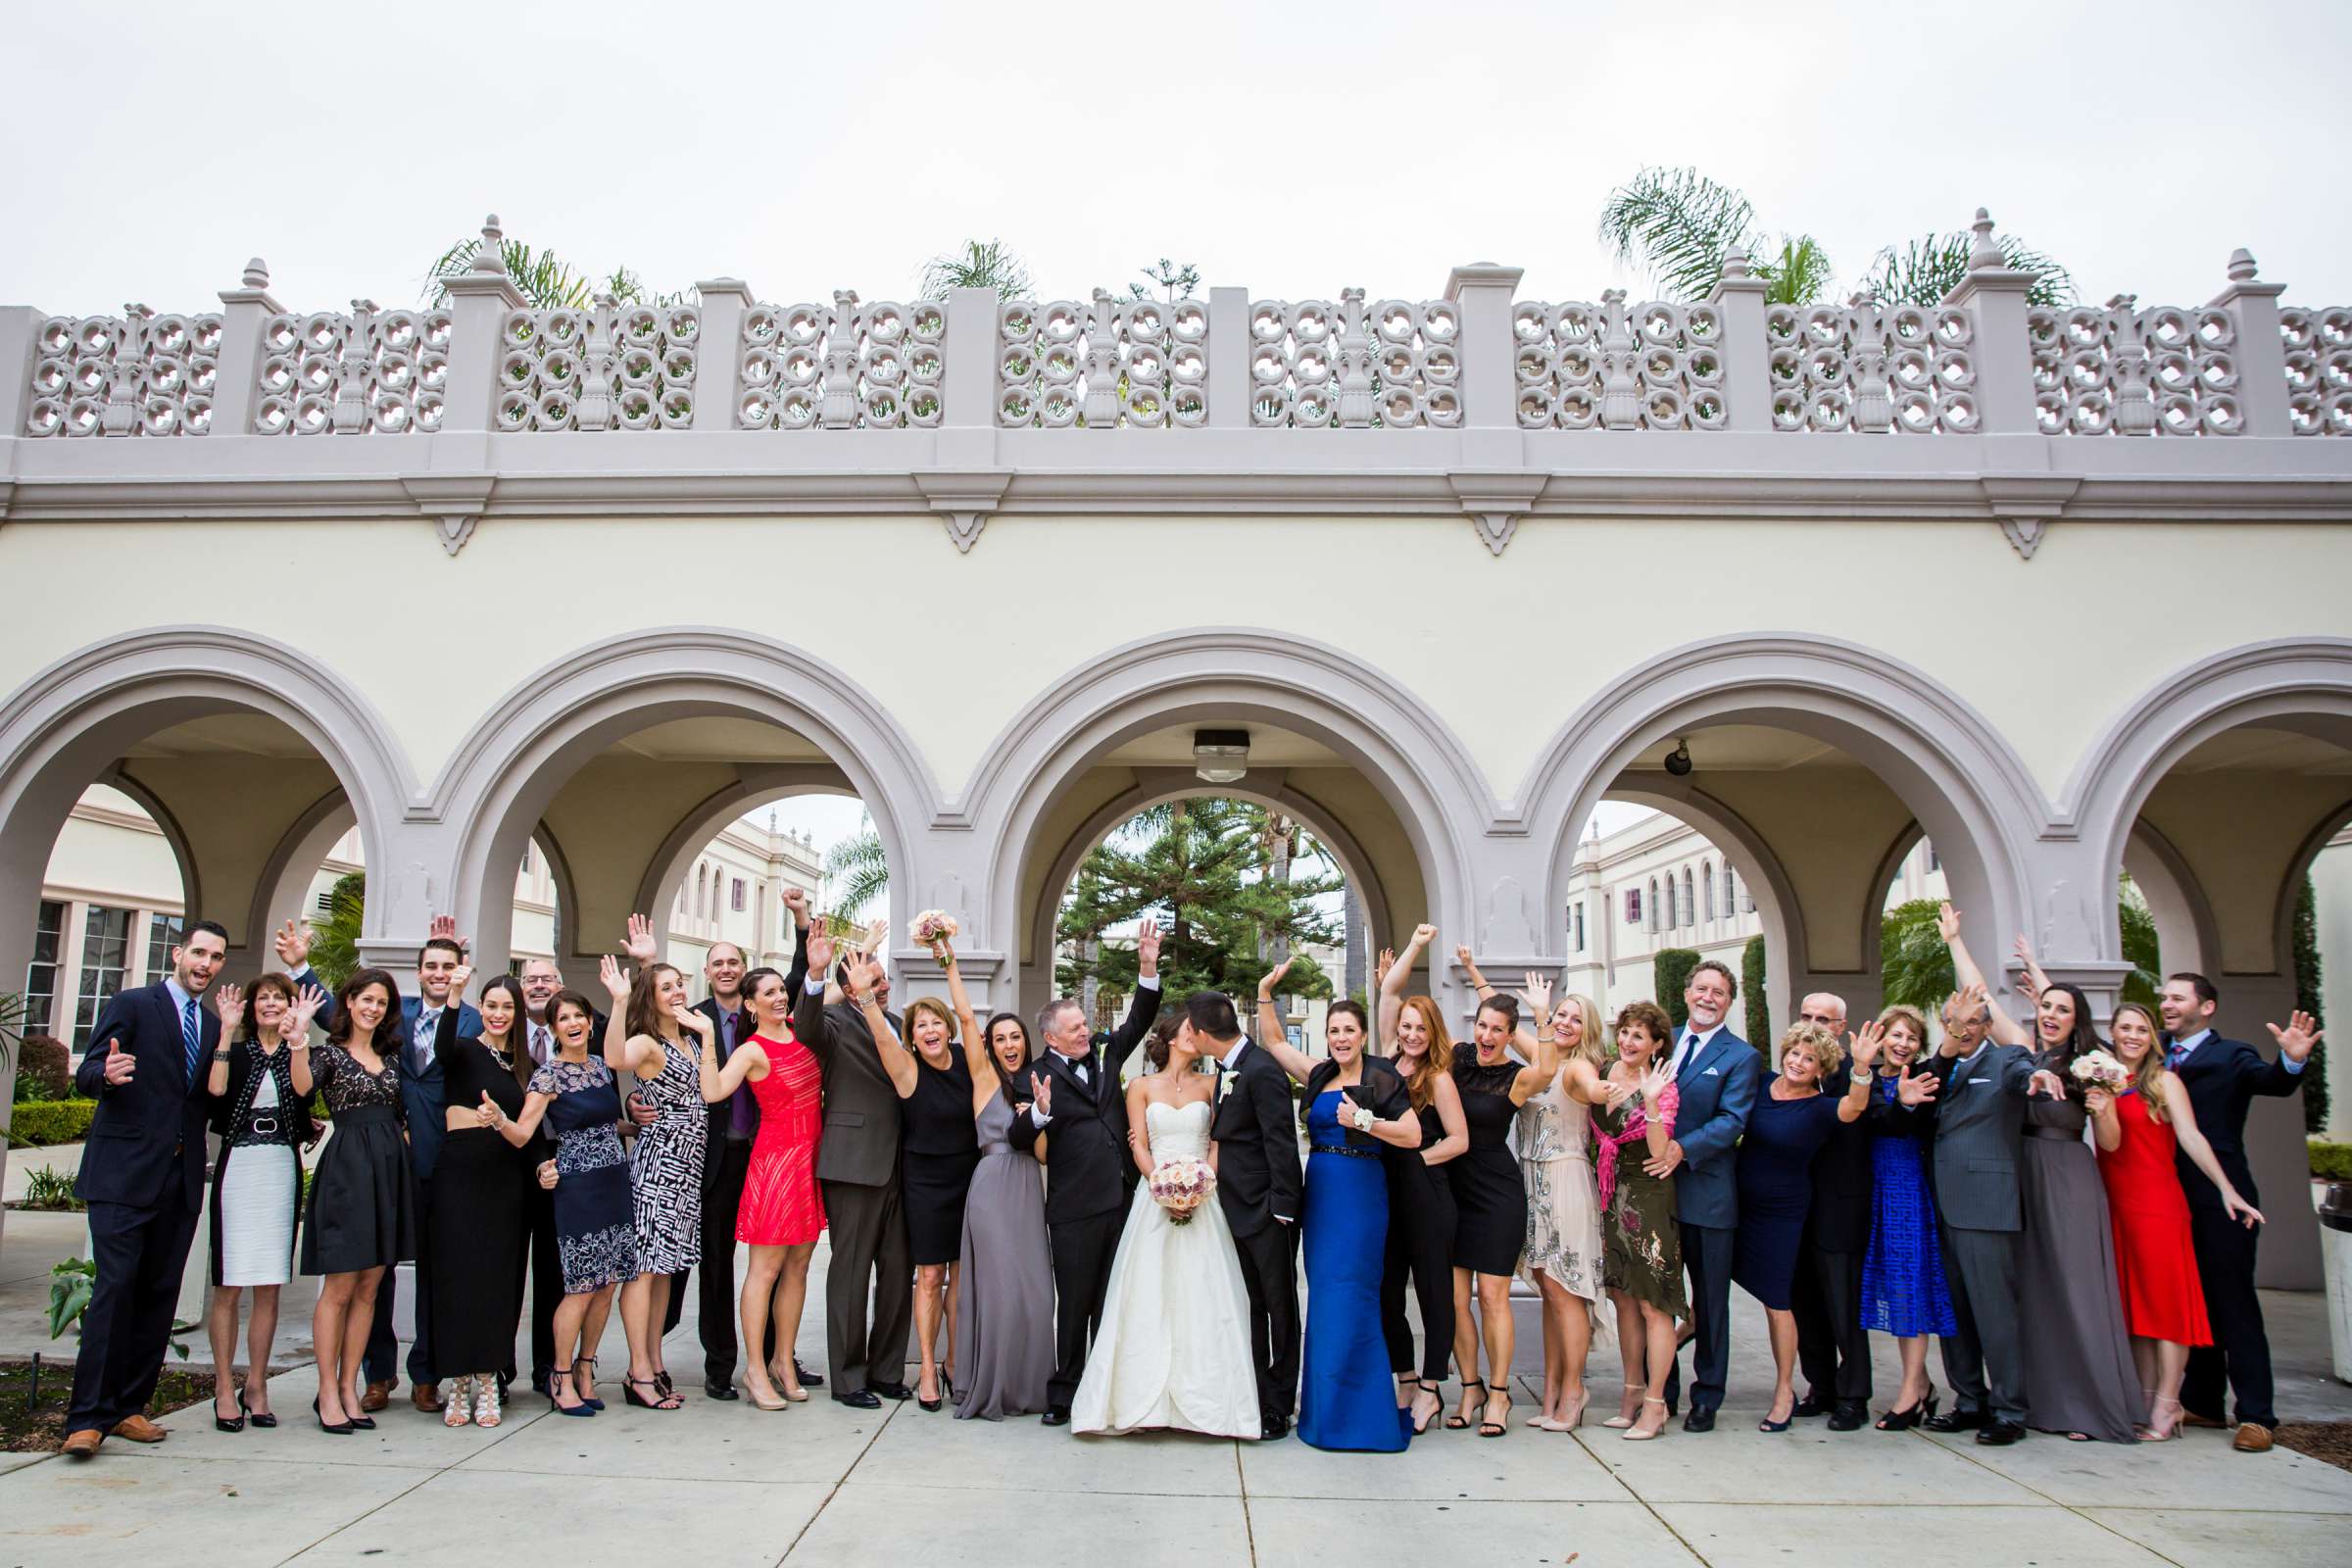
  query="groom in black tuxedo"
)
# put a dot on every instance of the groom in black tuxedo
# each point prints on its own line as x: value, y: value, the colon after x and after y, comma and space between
x: 1082, y: 1110
x: 1257, y: 1131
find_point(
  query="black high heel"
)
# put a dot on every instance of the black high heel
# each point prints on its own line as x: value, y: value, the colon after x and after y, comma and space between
x: 559, y: 1379
x: 264, y: 1419
x: 341, y: 1428
x: 220, y: 1424
x: 660, y: 1400
x: 1455, y: 1423
x: 933, y: 1403
x: 1782, y: 1425
x: 1905, y: 1420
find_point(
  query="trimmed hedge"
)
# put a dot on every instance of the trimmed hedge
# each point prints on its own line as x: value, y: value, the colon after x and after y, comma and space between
x: 1670, y: 976
x: 41, y: 1122
x: 44, y: 1069
x: 2331, y: 1163
x: 1752, y: 977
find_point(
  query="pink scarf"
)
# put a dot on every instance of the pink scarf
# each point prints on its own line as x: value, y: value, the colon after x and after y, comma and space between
x: 1637, y: 1125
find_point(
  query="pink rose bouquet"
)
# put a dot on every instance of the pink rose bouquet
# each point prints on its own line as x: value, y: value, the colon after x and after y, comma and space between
x: 1181, y: 1186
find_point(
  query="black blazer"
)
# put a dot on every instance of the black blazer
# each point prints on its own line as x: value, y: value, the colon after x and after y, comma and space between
x: 146, y: 1139
x: 722, y: 1114
x: 1257, y: 1144
x: 1842, y: 1180
x: 1087, y: 1159
x: 1381, y: 1093
x: 2222, y: 1077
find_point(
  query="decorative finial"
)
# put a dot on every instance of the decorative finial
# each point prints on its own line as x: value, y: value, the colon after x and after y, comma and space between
x: 2241, y: 265
x: 1985, y: 254
x: 257, y: 273
x: 492, y: 257
x: 1735, y: 262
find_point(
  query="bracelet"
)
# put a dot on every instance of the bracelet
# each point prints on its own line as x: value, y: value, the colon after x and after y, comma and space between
x: 1545, y: 1037
x: 221, y: 1054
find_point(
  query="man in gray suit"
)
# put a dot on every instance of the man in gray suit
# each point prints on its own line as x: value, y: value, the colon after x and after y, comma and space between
x: 1979, y: 1126
x: 858, y: 1165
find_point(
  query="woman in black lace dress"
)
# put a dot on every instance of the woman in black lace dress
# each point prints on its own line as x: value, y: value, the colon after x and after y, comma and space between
x: 477, y: 1292
x: 361, y: 1220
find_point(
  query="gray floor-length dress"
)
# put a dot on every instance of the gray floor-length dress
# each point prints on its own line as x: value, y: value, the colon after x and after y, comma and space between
x: 1005, y: 1281
x: 2078, y: 1361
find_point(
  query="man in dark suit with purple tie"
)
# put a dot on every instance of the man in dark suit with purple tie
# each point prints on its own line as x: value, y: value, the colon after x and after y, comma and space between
x: 142, y: 1176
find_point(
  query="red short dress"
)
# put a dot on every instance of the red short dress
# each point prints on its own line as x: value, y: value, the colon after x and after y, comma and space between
x: 782, y: 1204
x: 2155, y: 1263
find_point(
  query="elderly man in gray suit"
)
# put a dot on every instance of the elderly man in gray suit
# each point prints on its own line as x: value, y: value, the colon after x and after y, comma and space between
x: 858, y: 1165
x: 1979, y: 1126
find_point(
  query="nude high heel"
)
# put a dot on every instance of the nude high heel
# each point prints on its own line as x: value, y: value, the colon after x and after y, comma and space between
x: 1637, y: 1435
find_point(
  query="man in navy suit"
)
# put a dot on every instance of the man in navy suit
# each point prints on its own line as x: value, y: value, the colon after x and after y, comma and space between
x: 2222, y: 1077
x: 420, y: 1088
x: 1716, y: 1074
x: 142, y: 1176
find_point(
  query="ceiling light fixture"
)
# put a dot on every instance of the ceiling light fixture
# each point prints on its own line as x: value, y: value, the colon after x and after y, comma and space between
x: 1677, y: 761
x: 1220, y: 755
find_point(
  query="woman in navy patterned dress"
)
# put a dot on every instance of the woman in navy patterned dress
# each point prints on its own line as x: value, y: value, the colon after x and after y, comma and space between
x: 652, y: 1033
x: 1904, y: 1291
x: 596, y: 1232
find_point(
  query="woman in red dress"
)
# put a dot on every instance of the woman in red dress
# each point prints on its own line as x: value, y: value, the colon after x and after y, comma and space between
x: 2138, y: 1132
x: 782, y: 1214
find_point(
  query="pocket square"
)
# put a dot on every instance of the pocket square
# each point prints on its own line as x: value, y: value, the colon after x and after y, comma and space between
x: 1712, y: 1072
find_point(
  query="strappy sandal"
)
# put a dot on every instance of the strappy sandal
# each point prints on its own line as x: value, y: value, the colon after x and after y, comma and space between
x: 1635, y: 1434
x: 588, y: 1399
x: 1491, y: 1425
x: 660, y: 1400
x: 1413, y: 1412
x: 560, y: 1378
x: 1457, y: 1421
x: 458, y: 1410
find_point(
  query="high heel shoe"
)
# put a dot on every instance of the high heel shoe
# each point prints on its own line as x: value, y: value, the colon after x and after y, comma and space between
x: 360, y: 1420
x: 1491, y: 1425
x: 589, y: 1400
x: 1623, y: 1418
x: 763, y: 1401
x: 934, y: 1401
x: 1635, y: 1434
x: 222, y: 1422
x: 2164, y: 1424
x: 1768, y: 1424
x: 560, y: 1378
x: 1414, y: 1413
x: 341, y: 1428
x: 260, y: 1418
x: 458, y: 1410
x: 1569, y: 1422
x: 660, y: 1400
x: 1911, y: 1415
x: 1460, y: 1419
x: 486, y: 1394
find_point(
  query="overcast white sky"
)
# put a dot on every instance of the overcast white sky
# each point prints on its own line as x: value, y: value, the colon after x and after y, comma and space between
x: 152, y: 145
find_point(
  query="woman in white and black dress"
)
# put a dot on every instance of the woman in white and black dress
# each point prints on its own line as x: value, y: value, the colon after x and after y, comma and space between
x: 361, y: 1217
x: 257, y: 1180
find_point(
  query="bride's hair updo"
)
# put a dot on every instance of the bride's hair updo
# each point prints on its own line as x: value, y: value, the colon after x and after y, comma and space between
x: 1158, y: 1042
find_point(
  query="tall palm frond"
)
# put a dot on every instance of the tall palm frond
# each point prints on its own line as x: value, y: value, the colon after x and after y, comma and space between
x: 1926, y: 270
x: 335, y: 940
x: 859, y: 869
x: 1679, y: 224
x: 1799, y: 275
x: 545, y: 280
x: 981, y: 263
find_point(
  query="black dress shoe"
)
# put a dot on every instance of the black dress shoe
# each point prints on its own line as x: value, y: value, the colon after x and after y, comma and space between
x: 1058, y: 1416
x: 890, y: 1390
x: 1700, y: 1420
x: 858, y: 1399
x: 1847, y: 1415
x: 721, y: 1390
x: 2000, y: 1434
x: 809, y: 1379
x: 1810, y: 1407
x: 1274, y: 1426
x: 1955, y: 1421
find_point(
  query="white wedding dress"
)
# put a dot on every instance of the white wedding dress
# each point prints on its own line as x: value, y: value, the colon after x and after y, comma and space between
x: 1174, y: 1348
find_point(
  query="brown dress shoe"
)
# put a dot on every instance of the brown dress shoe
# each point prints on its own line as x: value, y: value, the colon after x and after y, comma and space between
x: 2191, y: 1419
x: 426, y: 1396
x: 2252, y: 1438
x: 138, y: 1429
x: 83, y: 1444
x: 379, y: 1396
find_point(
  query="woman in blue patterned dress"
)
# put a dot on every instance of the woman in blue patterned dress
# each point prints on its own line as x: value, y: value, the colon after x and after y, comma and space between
x: 1903, y: 1292
x: 596, y: 1233
x: 656, y: 1034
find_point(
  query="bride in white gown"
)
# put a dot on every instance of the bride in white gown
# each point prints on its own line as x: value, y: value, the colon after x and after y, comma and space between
x: 1174, y: 1347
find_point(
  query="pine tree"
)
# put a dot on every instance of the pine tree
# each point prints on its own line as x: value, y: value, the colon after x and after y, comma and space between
x: 1230, y: 888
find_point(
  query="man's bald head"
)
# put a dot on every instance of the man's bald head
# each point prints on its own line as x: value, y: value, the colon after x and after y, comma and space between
x: 1823, y: 1010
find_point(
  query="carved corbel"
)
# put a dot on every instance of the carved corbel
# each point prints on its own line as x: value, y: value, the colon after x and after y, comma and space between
x: 2025, y: 505
x: 963, y: 501
x: 1496, y: 502
x: 454, y: 503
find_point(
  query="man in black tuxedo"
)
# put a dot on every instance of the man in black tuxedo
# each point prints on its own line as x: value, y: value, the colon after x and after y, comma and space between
x: 142, y: 1178
x: 734, y: 1123
x: 1080, y: 1104
x: 2222, y: 1077
x: 1255, y: 1126
x: 1831, y: 1348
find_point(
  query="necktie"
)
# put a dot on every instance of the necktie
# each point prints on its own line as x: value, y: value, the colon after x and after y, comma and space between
x: 2174, y: 1056
x: 191, y: 1035
x: 420, y: 1044
x: 539, y: 1043
x: 1682, y: 1056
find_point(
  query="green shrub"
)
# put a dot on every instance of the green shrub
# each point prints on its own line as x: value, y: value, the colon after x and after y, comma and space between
x: 1759, y: 1005
x: 50, y: 1189
x: 1670, y: 972
x: 2331, y: 1163
x: 42, y: 1122
x: 44, y: 1069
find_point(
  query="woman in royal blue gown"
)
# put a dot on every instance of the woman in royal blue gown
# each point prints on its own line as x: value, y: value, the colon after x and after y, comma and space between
x: 1354, y: 1104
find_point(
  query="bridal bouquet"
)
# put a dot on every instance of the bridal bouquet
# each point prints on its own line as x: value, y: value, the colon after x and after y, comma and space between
x: 930, y: 926
x: 1181, y: 1186
x: 2098, y: 1069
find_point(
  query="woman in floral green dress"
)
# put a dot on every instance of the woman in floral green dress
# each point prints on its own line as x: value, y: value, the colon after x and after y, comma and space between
x: 1641, y: 1250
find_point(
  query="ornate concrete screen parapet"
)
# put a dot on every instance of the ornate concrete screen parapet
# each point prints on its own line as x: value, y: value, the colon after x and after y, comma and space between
x: 137, y: 374
x: 1101, y: 363
x: 847, y: 365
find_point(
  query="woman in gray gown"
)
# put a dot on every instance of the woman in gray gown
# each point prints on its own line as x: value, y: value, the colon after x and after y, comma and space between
x: 1005, y: 1276
x: 2078, y: 1376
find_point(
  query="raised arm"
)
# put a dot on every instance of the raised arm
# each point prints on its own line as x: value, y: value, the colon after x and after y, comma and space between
x: 717, y: 1082
x: 232, y: 1003
x: 797, y: 977
x: 897, y: 1060
x: 2005, y: 1030
x: 445, y: 1033
x: 1863, y: 1046
x: 1272, y: 1038
x: 1543, y: 1047
x: 2035, y: 981
x: 967, y: 1023
x: 1386, y: 1005
x: 296, y: 1033
x: 1393, y: 983
x: 808, y: 1013
x: 2296, y: 1042
x: 2200, y: 1152
x: 1142, y: 1010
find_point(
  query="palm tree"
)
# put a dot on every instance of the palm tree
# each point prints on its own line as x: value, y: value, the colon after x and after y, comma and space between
x: 1916, y: 967
x: 335, y: 940
x: 981, y: 263
x: 1681, y: 225
x: 545, y: 280
x: 859, y: 867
